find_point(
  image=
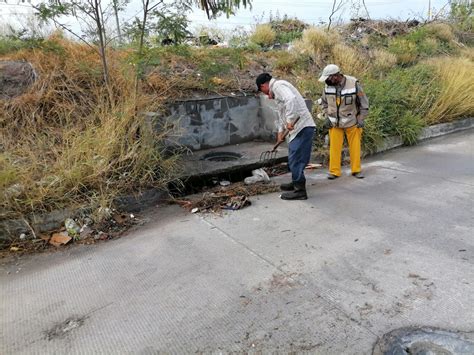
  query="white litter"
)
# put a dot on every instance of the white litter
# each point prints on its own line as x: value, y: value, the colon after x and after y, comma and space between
x: 257, y: 175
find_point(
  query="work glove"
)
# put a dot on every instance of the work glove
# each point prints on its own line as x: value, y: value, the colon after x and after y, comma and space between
x: 327, y: 123
x: 360, y: 123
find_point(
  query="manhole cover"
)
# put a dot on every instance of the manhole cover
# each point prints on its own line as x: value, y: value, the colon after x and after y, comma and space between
x: 221, y: 156
x: 424, y: 341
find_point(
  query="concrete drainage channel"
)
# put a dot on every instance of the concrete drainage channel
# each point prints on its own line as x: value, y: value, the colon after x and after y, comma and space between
x: 424, y: 341
x: 233, y: 149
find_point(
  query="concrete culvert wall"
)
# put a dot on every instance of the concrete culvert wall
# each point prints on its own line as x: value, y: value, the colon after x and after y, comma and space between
x: 221, y: 121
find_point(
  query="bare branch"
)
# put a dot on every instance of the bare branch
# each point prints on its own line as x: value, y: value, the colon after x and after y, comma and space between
x: 336, y: 6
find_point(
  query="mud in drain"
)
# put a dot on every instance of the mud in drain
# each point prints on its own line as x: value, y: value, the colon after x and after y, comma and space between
x: 424, y: 341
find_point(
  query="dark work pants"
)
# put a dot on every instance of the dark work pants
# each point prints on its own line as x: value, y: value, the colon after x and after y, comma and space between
x: 299, y: 153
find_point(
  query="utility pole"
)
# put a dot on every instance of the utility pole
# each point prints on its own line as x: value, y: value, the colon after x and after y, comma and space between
x: 429, y: 10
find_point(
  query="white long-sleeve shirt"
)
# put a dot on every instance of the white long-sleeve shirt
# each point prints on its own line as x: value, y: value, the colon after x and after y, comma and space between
x: 291, y: 105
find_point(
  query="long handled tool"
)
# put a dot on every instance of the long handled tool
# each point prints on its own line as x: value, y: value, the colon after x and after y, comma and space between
x: 268, y: 157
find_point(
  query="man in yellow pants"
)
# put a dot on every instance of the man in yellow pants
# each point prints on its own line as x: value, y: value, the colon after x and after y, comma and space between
x: 345, y: 106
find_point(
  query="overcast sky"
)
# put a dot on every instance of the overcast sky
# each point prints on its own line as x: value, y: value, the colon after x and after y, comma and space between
x: 309, y: 11
x: 315, y: 11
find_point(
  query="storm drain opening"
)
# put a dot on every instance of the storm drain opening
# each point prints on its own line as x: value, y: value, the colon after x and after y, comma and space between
x: 423, y: 341
x: 201, y: 183
x: 221, y: 156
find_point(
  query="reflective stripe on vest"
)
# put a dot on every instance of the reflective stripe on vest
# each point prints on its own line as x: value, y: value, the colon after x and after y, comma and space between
x: 342, y: 110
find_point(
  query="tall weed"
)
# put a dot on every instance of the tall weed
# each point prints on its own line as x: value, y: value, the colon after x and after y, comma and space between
x: 263, y: 35
x: 456, y: 98
x: 398, y: 102
x: 64, y: 145
x: 317, y: 43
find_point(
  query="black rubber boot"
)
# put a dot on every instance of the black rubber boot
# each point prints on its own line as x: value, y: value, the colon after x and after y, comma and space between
x: 287, y: 187
x: 298, y: 194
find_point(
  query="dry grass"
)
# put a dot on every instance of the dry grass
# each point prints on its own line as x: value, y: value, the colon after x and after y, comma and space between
x: 405, y: 51
x: 468, y: 53
x: 456, y: 99
x: 263, y: 35
x: 351, y: 61
x: 63, y: 144
x: 441, y: 31
x: 383, y: 60
x: 316, y: 42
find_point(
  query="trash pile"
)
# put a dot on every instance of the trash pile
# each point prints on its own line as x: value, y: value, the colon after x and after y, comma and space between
x: 232, y: 197
x: 78, y: 231
x: 235, y: 196
x: 360, y: 27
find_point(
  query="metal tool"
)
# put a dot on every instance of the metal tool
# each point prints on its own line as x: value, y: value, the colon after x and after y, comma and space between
x: 268, y: 157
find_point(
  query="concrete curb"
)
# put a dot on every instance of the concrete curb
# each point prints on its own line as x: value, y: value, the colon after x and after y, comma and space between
x: 11, y: 229
x: 429, y: 132
x: 40, y: 223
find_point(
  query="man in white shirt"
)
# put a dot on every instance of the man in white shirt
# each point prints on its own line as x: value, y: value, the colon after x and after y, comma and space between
x: 295, y: 117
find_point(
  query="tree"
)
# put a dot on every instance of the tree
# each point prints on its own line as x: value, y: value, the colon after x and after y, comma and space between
x: 462, y: 14
x: 94, y: 15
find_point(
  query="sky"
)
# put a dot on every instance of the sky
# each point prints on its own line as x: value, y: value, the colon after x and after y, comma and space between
x: 309, y: 11
x: 315, y: 11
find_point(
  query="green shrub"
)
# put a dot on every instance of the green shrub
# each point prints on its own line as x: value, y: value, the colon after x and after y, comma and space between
x: 9, y: 44
x: 409, y: 127
x: 405, y: 51
x: 398, y: 103
x: 461, y: 14
x: 423, y: 42
x: 287, y: 29
x: 374, y: 130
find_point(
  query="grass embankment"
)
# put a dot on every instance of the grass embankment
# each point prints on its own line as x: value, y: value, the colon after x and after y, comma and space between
x: 63, y: 144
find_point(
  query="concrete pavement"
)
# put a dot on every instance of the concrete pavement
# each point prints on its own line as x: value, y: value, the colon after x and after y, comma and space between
x: 328, y: 275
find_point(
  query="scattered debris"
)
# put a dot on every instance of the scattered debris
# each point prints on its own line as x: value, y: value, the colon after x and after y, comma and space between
x: 311, y: 166
x: 85, y: 232
x: 257, y: 175
x: 61, y: 238
x: 237, y: 203
x: 89, y: 233
x: 277, y: 170
x: 120, y: 218
x: 72, y: 228
x: 224, y: 183
x: 235, y: 196
x: 360, y: 28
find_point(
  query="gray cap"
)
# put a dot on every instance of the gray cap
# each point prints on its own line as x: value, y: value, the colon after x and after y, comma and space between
x: 329, y: 70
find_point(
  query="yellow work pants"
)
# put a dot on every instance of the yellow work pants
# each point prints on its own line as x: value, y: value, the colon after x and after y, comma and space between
x: 336, y: 140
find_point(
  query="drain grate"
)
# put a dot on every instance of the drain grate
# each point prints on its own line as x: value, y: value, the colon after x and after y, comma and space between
x: 221, y: 156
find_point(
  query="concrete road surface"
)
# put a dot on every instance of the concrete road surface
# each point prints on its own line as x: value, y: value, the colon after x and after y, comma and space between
x: 329, y: 275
